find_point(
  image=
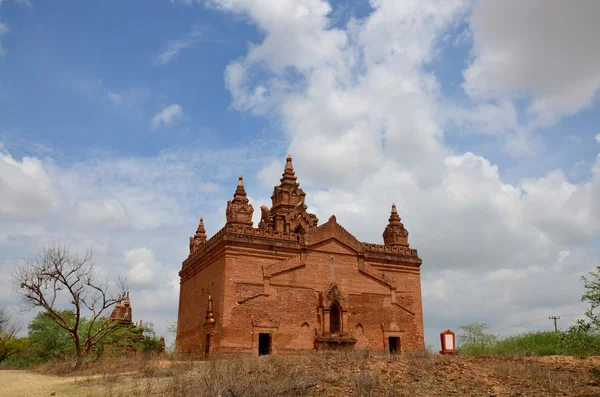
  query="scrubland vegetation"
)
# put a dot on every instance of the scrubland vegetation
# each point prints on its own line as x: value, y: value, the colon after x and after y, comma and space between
x: 473, y: 340
x: 338, y: 373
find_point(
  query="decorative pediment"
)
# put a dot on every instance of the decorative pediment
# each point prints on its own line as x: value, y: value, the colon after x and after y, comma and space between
x: 333, y: 246
x: 334, y: 295
x: 332, y: 230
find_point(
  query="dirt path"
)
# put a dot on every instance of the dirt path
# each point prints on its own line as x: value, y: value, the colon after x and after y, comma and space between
x: 28, y: 384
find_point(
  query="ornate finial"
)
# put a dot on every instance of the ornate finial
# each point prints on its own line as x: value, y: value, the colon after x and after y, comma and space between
x: 201, y: 231
x: 199, y: 238
x: 239, y: 210
x: 289, y: 167
x: 287, y: 211
x: 394, y: 217
x: 127, y: 302
x: 210, y: 318
x: 332, y: 218
x: 240, y: 191
x: 395, y: 234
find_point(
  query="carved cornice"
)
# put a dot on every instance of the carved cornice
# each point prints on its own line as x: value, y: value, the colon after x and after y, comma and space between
x: 331, y: 229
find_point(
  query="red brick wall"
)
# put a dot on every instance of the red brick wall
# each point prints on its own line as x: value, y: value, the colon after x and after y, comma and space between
x: 286, y: 304
x: 193, y: 302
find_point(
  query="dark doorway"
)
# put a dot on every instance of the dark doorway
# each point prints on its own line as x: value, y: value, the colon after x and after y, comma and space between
x: 335, y: 319
x: 207, y: 345
x: 264, y: 344
x: 394, y: 342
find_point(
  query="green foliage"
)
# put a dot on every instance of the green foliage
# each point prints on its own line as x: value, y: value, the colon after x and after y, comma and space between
x: 578, y: 342
x: 539, y: 343
x: 474, y: 341
x: 592, y: 296
x: 48, y: 341
x: 10, y: 344
x: 11, y: 347
x: 581, y: 340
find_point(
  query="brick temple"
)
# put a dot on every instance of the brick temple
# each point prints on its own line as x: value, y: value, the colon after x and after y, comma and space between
x: 291, y: 284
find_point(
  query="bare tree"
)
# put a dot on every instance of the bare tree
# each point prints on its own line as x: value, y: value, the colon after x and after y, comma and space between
x: 57, y: 273
x: 9, y: 343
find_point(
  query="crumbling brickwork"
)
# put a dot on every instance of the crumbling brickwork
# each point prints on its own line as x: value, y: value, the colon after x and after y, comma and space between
x: 291, y: 284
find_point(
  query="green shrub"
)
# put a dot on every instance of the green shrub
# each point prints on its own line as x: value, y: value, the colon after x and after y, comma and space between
x: 536, y: 343
x: 474, y: 341
x: 580, y: 343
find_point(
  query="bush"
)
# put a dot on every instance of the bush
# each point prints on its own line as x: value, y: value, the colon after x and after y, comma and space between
x: 580, y: 343
x: 474, y: 341
x: 538, y: 343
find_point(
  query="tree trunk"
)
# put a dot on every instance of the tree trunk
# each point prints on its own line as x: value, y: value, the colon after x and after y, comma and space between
x: 79, y: 362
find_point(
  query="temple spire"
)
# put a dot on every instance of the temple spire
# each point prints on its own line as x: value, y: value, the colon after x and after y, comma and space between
x: 288, y: 212
x: 210, y: 318
x: 394, y: 217
x: 240, y: 191
x: 199, y: 238
x: 395, y: 234
x: 239, y: 210
x: 201, y: 231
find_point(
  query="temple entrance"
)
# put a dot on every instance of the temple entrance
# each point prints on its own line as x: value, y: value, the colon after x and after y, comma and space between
x: 394, y: 342
x: 264, y: 344
x: 335, y: 319
x: 207, y: 345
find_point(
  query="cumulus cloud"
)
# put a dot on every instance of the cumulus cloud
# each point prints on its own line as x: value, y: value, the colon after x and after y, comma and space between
x: 26, y: 188
x: 97, y: 213
x: 143, y: 267
x: 364, y: 120
x: 168, y: 116
x: 548, y: 51
x: 135, y: 213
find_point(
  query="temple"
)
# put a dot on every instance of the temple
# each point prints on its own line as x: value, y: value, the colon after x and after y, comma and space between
x: 291, y: 284
x: 129, y: 340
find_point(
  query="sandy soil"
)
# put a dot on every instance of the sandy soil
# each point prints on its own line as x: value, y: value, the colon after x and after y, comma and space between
x: 28, y: 384
x: 337, y: 376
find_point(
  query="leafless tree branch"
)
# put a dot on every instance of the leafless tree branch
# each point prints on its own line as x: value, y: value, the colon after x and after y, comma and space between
x: 56, y: 278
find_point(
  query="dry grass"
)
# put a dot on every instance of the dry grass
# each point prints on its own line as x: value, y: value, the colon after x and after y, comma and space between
x: 338, y: 373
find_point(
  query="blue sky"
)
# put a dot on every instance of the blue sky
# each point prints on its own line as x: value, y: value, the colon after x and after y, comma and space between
x: 122, y: 123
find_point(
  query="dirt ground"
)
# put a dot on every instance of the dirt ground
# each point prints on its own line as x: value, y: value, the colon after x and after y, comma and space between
x: 322, y: 375
x: 29, y: 384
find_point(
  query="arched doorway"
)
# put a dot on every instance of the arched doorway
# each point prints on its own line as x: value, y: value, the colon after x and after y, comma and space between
x: 335, y: 319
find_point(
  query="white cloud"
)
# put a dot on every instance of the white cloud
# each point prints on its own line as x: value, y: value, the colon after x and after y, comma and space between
x: 26, y: 188
x: 363, y: 118
x: 174, y: 47
x: 548, y: 50
x: 98, y: 213
x: 598, y: 138
x: 168, y: 116
x: 144, y: 269
x: 115, y: 98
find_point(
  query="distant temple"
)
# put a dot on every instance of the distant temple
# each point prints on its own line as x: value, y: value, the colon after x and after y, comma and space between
x: 122, y: 312
x: 290, y: 284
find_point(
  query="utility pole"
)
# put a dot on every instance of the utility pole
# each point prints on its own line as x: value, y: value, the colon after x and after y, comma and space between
x: 554, y: 318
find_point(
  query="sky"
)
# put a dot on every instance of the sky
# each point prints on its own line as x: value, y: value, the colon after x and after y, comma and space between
x: 122, y: 123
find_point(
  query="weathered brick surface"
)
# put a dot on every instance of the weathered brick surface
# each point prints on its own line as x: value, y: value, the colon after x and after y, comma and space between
x: 285, y: 277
